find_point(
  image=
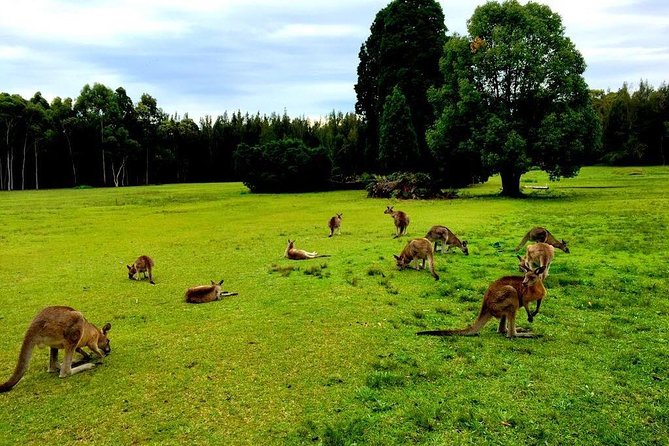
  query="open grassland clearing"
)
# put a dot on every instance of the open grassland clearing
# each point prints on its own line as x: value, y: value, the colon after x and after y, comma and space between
x: 324, y: 350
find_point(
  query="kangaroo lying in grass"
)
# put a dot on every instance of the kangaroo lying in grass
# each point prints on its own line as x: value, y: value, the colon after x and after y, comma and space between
x: 401, y: 220
x: 300, y: 254
x: 539, y: 234
x: 335, y: 224
x: 60, y: 328
x: 207, y: 293
x: 502, y: 300
x: 144, y: 265
x: 417, y: 249
x: 448, y: 240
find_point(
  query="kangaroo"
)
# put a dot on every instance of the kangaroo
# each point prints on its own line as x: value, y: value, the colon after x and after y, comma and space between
x: 502, y: 300
x: 417, y: 249
x: 144, y: 265
x: 447, y: 238
x: 401, y: 220
x: 539, y: 254
x: 335, y: 223
x: 539, y: 234
x: 206, y: 293
x: 300, y: 254
x: 60, y: 328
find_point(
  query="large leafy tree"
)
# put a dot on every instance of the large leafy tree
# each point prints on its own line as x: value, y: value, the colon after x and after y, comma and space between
x: 398, y: 145
x: 403, y: 49
x: 522, y: 100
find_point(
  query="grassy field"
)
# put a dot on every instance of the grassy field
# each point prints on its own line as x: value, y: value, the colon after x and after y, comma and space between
x: 325, y: 351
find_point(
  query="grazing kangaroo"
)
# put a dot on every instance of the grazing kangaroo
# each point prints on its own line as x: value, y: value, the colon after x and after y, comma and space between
x: 539, y: 234
x: 502, y: 300
x: 144, y: 265
x: 300, y: 254
x: 417, y: 249
x: 401, y: 220
x: 539, y: 254
x: 206, y: 293
x: 447, y: 238
x: 60, y: 328
x: 335, y: 224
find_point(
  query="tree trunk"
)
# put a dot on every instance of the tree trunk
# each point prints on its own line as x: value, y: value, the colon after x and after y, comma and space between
x: 69, y: 147
x: 36, y: 168
x: 23, y: 163
x: 147, y: 164
x: 510, y: 183
x: 102, y: 146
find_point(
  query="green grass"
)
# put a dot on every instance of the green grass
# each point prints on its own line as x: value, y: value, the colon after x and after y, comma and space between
x: 325, y: 351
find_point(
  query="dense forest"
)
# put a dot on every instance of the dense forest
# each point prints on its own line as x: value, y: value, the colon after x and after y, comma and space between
x: 103, y: 138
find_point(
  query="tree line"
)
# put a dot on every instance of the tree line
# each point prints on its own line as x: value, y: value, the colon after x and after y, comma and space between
x: 507, y: 97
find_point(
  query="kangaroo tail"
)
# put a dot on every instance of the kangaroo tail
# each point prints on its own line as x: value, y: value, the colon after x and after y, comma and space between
x: 21, y: 366
x: 323, y: 255
x: 472, y: 330
x: 523, y: 241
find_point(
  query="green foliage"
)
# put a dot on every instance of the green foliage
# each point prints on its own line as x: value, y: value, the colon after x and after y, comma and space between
x: 398, y: 147
x: 520, y: 98
x: 295, y: 359
x: 283, y: 166
x: 403, y: 50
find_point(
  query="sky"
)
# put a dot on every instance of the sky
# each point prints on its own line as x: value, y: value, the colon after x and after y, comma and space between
x: 206, y: 57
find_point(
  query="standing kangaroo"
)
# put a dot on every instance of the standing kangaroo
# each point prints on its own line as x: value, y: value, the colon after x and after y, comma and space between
x: 417, y: 249
x: 300, y: 254
x: 144, y: 265
x: 401, y: 220
x: 335, y: 224
x: 502, y: 300
x: 539, y: 234
x: 539, y: 254
x: 60, y: 328
x: 206, y: 293
x: 447, y: 238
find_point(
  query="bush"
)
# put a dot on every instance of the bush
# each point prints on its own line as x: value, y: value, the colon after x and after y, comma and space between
x: 404, y: 185
x: 287, y: 165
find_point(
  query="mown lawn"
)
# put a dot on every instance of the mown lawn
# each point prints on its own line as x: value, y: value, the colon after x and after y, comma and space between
x: 325, y: 351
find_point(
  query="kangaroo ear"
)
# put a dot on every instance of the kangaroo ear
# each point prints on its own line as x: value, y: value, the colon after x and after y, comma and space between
x: 221, y: 282
x: 128, y: 266
x: 106, y: 328
x: 539, y: 270
x: 464, y: 243
x: 522, y: 265
x: 396, y: 257
x: 564, y: 243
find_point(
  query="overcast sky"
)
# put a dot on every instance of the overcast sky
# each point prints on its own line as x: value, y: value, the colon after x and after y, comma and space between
x: 206, y: 57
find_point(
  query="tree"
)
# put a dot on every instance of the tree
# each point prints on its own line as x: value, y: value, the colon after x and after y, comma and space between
x: 403, y: 49
x: 398, y: 145
x: 525, y: 83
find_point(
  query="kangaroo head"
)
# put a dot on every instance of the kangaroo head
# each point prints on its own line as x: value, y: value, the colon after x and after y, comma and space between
x: 103, y: 340
x: 340, y: 216
x: 402, y: 262
x: 532, y: 277
x: 465, y: 250
x: 389, y: 210
x: 291, y: 244
x: 566, y: 249
x: 131, y: 271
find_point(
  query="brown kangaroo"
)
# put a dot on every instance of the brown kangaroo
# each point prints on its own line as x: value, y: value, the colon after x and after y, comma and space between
x: 417, y: 249
x: 539, y: 234
x: 144, y: 265
x: 60, y: 328
x: 502, y: 300
x: 539, y: 254
x: 206, y: 293
x: 401, y: 220
x: 447, y: 238
x: 335, y: 224
x: 300, y: 254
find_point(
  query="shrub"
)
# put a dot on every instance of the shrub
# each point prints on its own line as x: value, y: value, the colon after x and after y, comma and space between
x: 404, y: 185
x: 287, y: 165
